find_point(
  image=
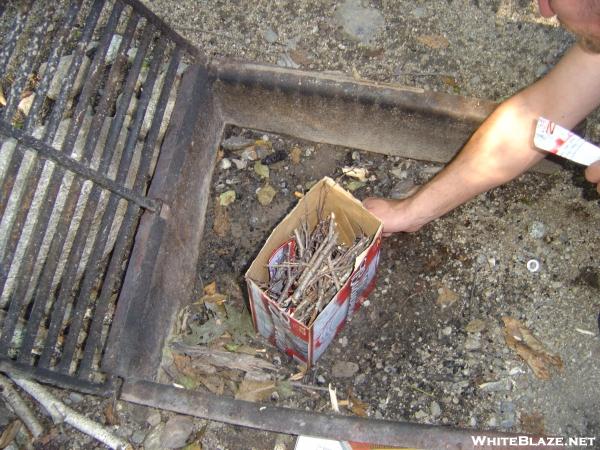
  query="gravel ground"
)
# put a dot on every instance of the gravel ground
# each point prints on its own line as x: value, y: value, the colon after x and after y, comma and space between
x: 414, y: 359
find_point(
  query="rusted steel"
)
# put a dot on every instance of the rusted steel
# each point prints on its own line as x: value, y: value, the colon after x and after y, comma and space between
x: 300, y: 422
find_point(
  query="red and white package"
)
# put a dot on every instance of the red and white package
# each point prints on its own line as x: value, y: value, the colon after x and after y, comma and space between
x: 558, y: 140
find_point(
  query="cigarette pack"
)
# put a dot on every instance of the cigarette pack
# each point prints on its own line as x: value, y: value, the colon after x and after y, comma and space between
x: 307, y: 343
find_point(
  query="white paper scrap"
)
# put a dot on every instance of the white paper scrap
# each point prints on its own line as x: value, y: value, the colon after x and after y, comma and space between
x: 558, y: 140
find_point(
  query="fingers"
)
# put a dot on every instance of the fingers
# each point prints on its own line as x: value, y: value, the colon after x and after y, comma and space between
x: 592, y: 174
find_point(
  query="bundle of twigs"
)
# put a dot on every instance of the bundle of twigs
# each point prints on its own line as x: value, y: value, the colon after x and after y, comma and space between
x: 308, y: 279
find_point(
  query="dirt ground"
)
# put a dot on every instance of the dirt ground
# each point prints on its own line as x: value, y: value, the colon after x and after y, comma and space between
x: 417, y: 359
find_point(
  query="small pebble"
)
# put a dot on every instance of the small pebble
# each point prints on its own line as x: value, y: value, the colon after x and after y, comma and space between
x: 435, y: 409
x: 154, y: 419
x: 321, y: 379
x: 176, y: 432
x: 75, y: 397
x: 225, y: 164
x: 138, y: 437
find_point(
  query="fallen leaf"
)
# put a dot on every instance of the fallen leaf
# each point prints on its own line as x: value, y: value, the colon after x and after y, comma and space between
x: 434, y: 41
x: 227, y: 198
x: 210, y: 288
x: 261, y: 170
x: 354, y: 185
x: 263, y: 143
x: 193, y: 446
x: 475, y: 326
x: 255, y: 391
x: 298, y: 195
x: 2, y: 98
x: 221, y: 225
x: 359, y: 173
x: 519, y: 338
x: 357, y: 406
x: 266, y: 194
x: 300, y: 57
x: 533, y: 423
x: 296, y: 155
x: 446, y: 297
x: 214, y: 383
x: 110, y: 415
x: 449, y: 81
x: 26, y: 102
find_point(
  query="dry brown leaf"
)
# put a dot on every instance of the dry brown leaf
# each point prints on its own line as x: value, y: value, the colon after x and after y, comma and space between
x: 435, y: 41
x: 475, y: 326
x: 210, y: 288
x: 533, y: 423
x: 446, y: 297
x: 221, y: 225
x: 214, y: 383
x: 519, y: 338
x: 296, y: 155
x: 357, y: 406
x: 254, y: 390
x: 300, y: 57
x: 299, y: 375
x: 2, y: 98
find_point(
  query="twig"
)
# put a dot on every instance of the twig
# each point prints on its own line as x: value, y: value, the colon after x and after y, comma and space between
x: 61, y: 412
x: 20, y: 408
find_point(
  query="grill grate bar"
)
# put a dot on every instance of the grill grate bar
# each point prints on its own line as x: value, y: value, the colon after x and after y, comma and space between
x: 50, y: 131
x: 77, y: 167
x: 57, y: 319
x: 113, y: 135
x: 57, y: 175
x: 81, y: 305
x: 131, y: 216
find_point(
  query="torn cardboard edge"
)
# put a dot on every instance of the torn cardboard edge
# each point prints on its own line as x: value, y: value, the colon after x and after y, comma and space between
x: 307, y: 343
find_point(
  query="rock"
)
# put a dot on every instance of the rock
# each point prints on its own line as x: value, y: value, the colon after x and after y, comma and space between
x: 447, y: 331
x: 420, y: 415
x: 419, y: 12
x: 61, y: 73
x: 475, y: 326
x: 138, y: 437
x: 152, y: 440
x: 249, y: 154
x: 270, y: 35
x: 403, y: 189
x: 435, y: 409
x: 431, y: 170
x: 286, y: 60
x: 296, y: 155
x: 321, y: 379
x: 359, y: 23
x: 234, y: 143
x: 399, y: 173
x: 343, y: 341
x: 154, y: 419
x: 537, y: 230
x: 176, y: 432
x: 275, y: 157
x: 6, y: 416
x: 75, y: 397
x: 344, y: 369
x: 225, y: 164
x: 239, y: 164
x: 473, y: 342
x: 266, y: 194
x: 496, y: 386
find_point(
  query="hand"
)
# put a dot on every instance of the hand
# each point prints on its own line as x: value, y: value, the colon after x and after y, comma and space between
x: 393, y: 213
x: 592, y: 174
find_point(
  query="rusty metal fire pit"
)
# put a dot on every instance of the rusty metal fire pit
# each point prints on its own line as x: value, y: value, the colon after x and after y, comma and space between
x: 104, y: 189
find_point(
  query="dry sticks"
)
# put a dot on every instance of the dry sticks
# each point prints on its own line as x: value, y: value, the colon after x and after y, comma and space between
x: 313, y: 270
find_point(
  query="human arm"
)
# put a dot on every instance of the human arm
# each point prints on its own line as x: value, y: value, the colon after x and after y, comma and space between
x: 502, y: 148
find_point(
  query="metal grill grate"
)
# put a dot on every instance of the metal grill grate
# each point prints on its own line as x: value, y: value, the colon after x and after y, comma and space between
x: 87, y: 92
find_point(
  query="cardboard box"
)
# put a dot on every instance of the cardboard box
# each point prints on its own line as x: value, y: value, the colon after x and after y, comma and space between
x: 307, y: 344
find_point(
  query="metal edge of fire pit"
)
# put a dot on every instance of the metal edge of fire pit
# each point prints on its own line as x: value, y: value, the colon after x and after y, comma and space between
x: 308, y: 423
x: 162, y: 267
x: 334, y: 109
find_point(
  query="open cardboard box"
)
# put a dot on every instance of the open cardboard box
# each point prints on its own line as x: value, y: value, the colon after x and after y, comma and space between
x: 304, y: 343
